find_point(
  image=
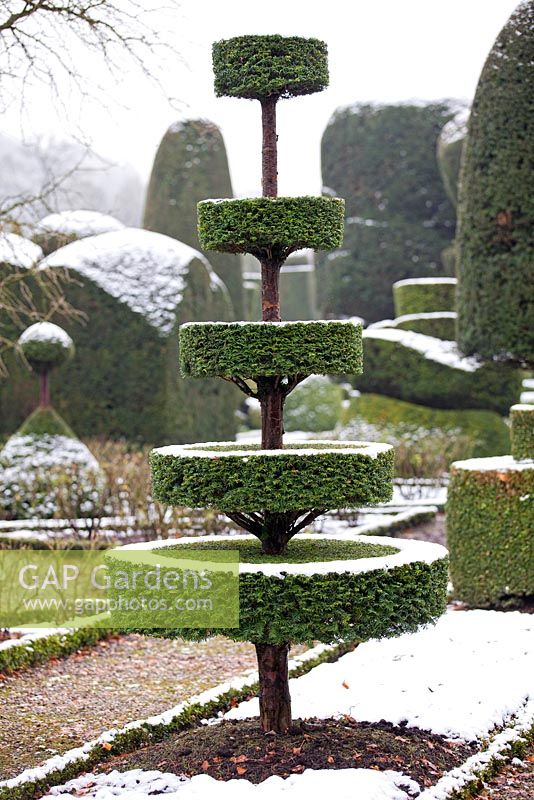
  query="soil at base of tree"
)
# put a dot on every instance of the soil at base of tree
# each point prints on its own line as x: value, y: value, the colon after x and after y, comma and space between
x: 514, y: 782
x: 239, y: 749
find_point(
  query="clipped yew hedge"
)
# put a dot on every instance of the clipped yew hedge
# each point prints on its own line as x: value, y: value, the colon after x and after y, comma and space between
x: 395, y: 370
x: 271, y: 224
x: 326, y: 607
x: 496, y: 205
x: 190, y: 165
x: 234, y: 477
x: 270, y: 348
x: 256, y: 67
x: 424, y: 295
x: 490, y: 520
x: 522, y: 434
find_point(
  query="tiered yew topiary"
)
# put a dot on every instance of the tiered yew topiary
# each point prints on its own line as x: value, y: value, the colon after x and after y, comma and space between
x: 351, y: 590
x: 496, y: 203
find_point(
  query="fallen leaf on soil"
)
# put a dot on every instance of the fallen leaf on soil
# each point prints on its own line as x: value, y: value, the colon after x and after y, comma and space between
x: 241, y: 770
x: 106, y: 745
x: 205, y: 765
x: 345, y: 685
x: 239, y: 759
x: 298, y: 768
x: 330, y: 759
x: 297, y: 751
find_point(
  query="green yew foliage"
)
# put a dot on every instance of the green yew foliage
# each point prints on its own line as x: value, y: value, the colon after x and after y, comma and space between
x: 496, y: 202
x: 190, y: 165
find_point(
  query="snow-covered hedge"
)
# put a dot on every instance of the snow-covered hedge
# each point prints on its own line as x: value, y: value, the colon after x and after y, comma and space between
x: 135, y: 287
x: 441, y: 324
x: 490, y: 524
x: 270, y: 348
x: 432, y: 372
x: 56, y: 230
x: 240, y: 477
x: 394, y: 586
x: 36, y: 468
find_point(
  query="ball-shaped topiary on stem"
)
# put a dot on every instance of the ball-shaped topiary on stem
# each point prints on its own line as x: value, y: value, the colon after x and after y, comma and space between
x: 45, y: 347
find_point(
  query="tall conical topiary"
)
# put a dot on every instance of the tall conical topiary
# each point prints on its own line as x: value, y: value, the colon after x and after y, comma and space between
x: 191, y: 164
x: 272, y: 490
x: 495, y: 301
x: 382, y: 159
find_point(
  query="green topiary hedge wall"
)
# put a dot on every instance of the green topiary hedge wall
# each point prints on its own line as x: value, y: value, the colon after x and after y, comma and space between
x: 424, y: 295
x: 486, y: 429
x: 490, y: 520
x: 382, y: 160
x: 124, y: 380
x: 522, y: 434
x: 496, y: 202
x: 190, y: 165
x: 395, y: 369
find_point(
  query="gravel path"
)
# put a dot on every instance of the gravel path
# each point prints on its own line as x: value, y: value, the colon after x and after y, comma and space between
x: 432, y: 531
x: 62, y: 704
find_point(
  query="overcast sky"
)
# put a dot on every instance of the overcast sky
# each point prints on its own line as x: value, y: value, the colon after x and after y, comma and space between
x: 379, y: 50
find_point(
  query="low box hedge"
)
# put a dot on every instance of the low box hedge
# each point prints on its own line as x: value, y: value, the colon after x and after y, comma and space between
x: 395, y: 368
x: 490, y: 520
x: 350, y: 602
x: 522, y: 433
x: 423, y: 295
x: 256, y: 67
x: 307, y: 475
x: 270, y: 227
x: 270, y: 348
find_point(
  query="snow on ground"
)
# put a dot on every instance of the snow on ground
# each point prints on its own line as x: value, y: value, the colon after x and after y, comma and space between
x: 460, y: 678
x: 438, y: 350
x: 347, y: 784
x: 527, y: 398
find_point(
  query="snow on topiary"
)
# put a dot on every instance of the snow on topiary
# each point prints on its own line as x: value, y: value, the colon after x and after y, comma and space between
x: 269, y: 489
x: 16, y: 251
x: 44, y: 460
x: 56, y: 230
x: 135, y: 287
x: 36, y: 468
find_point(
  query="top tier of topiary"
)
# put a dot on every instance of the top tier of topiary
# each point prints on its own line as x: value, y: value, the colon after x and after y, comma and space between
x: 496, y: 203
x: 258, y: 67
x: 522, y: 433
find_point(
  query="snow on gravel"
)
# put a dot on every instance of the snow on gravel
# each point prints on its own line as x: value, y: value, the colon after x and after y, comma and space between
x: 460, y: 678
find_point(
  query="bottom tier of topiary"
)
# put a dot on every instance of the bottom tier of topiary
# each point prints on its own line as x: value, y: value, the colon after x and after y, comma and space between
x: 490, y: 521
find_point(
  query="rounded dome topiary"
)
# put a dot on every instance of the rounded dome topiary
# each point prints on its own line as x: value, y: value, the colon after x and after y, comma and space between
x: 46, y: 346
x: 496, y: 203
x: 256, y: 67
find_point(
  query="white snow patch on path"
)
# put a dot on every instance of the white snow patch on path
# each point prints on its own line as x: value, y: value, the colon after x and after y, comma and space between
x: 460, y: 678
